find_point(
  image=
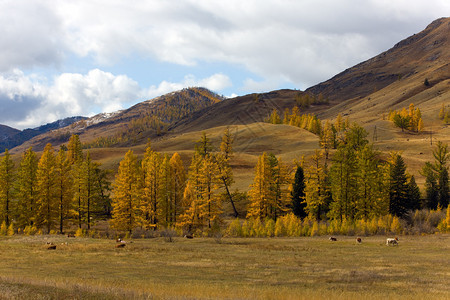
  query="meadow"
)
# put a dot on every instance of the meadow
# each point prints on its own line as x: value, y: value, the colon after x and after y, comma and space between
x: 231, y: 268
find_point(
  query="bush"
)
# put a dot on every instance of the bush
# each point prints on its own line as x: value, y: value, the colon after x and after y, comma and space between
x: 168, y: 234
x: 234, y: 229
x: 271, y: 227
x: 30, y: 230
x: 3, y: 229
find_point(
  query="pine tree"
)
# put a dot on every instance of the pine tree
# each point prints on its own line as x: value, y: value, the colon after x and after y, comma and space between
x: 75, y: 150
x: 47, y: 200
x: 151, y: 172
x: 203, y: 146
x: 223, y: 163
x: 88, y: 188
x: 437, y: 177
x: 402, y: 121
x: 178, y: 184
x: 327, y: 138
x: 339, y: 123
x: 413, y: 195
x: 75, y: 157
x: 7, y: 178
x: 441, y: 156
x: 274, y: 118
x: 316, y: 187
x: 125, y: 214
x: 298, y: 194
x: 369, y: 186
x: 431, y: 186
x: 343, y: 175
x: 102, y: 206
x: 442, y: 112
x: 260, y: 191
x: 280, y: 184
x: 202, y: 206
x: 211, y: 206
x: 26, y: 189
x: 165, y: 201
x: 398, y: 186
x: 63, y: 188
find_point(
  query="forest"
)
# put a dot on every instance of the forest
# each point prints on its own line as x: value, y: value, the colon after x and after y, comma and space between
x: 345, y: 187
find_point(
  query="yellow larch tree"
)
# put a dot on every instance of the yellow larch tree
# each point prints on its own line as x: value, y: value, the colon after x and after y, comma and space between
x: 63, y: 188
x: 125, y: 203
x: 260, y: 191
x: 7, y: 178
x: 151, y: 172
x: 47, y: 200
x: 223, y: 163
x: 178, y: 184
x: 166, y: 205
x: 26, y: 187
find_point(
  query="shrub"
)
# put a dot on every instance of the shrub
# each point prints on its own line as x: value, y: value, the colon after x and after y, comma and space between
x: 79, y: 232
x: 3, y: 229
x: 271, y: 227
x: 279, y: 228
x: 30, y: 230
x: 234, y: 229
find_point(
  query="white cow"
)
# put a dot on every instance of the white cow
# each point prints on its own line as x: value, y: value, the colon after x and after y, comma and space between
x: 392, y: 241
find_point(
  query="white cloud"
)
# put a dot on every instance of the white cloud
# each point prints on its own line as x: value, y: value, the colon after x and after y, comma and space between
x: 299, y: 41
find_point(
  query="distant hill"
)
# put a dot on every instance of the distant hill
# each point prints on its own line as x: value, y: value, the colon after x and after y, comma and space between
x: 148, y: 119
x: 11, y: 137
x: 7, y: 132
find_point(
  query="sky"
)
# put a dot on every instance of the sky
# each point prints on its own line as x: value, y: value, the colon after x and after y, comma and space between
x: 79, y: 58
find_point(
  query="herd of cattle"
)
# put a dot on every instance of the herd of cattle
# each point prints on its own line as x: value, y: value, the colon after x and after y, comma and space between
x: 389, y: 241
x: 121, y: 243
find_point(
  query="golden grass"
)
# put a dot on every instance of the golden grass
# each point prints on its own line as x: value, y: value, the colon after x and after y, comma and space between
x: 281, y: 268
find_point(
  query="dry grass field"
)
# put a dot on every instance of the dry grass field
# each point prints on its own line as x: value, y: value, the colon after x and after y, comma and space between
x: 226, y: 268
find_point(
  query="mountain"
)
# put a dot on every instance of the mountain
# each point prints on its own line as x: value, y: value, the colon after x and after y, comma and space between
x: 10, y: 137
x: 148, y: 119
x: 422, y: 53
x: 7, y: 132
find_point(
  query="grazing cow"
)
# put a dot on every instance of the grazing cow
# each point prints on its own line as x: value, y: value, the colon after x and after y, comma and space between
x: 358, y: 240
x: 51, y: 247
x: 121, y: 245
x: 392, y: 241
x: 189, y: 236
x: 333, y: 239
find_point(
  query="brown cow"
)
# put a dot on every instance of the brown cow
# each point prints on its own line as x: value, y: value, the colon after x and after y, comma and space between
x: 121, y: 245
x: 358, y: 240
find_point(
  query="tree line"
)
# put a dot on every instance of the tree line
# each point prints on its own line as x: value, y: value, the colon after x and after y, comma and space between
x: 50, y: 194
x: 355, y: 184
x: 156, y: 191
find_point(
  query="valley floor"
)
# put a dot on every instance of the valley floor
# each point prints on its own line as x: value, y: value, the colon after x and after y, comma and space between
x: 243, y: 268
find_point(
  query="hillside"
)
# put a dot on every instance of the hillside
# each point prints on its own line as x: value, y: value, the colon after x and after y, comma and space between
x: 148, y: 119
x: 7, y: 132
x: 10, y: 137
